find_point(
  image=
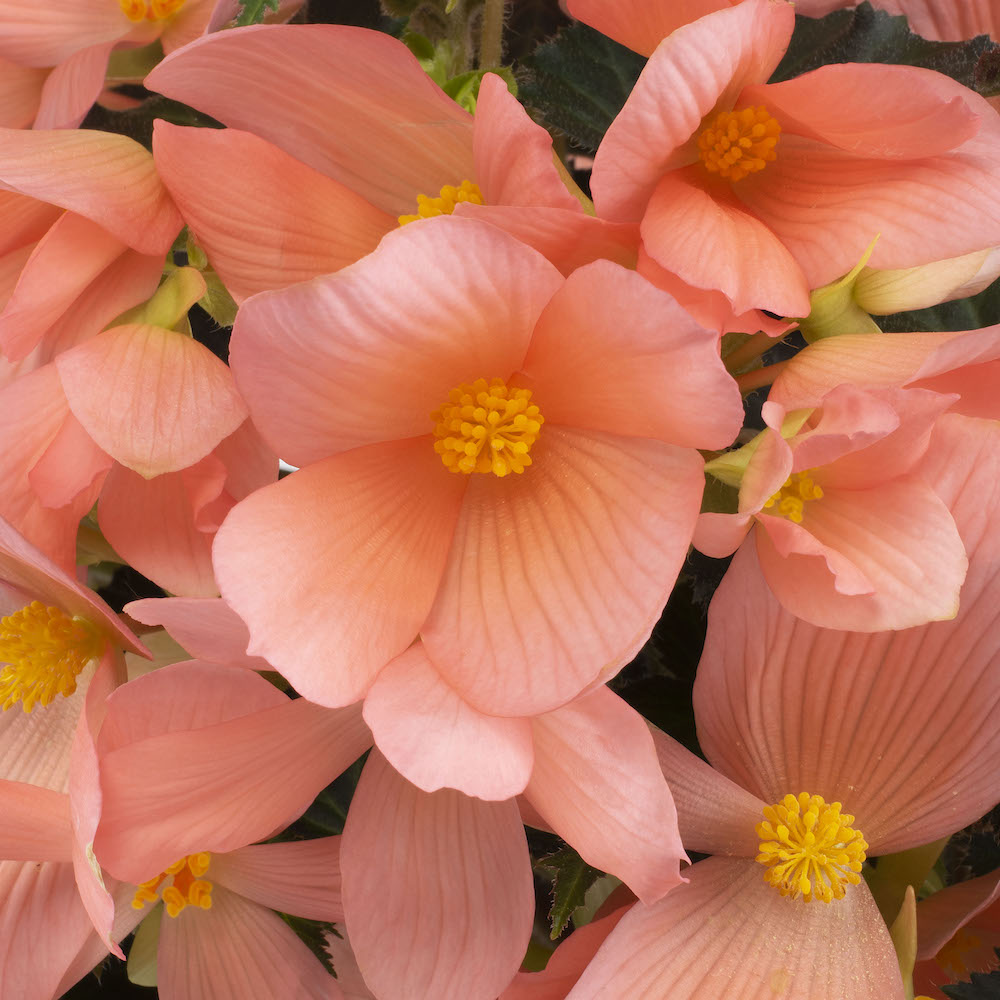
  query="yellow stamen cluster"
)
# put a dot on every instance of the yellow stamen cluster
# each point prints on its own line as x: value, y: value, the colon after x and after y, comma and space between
x: 790, y: 500
x: 43, y: 651
x: 738, y: 143
x: 486, y: 427
x: 150, y: 10
x: 187, y: 887
x: 445, y: 202
x: 809, y: 848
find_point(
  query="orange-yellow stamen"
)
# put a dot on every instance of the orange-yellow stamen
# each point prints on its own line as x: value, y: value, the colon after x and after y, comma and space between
x: 150, y: 10
x: 445, y: 202
x: 954, y: 954
x: 43, y: 651
x: 791, y: 499
x: 487, y: 427
x: 809, y: 848
x: 738, y: 143
x: 187, y: 887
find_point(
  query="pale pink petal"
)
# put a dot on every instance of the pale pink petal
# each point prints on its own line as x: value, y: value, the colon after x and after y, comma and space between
x: 899, y: 726
x: 72, y: 88
x: 174, y: 399
x: 720, y: 535
x: 20, y: 93
x: 189, y: 23
x: 68, y: 466
x: 46, y: 34
x: 437, y: 889
x: 598, y: 783
x: 27, y: 220
x: 701, y: 66
x: 557, y: 576
x: 436, y: 740
x: 942, y: 914
x: 349, y: 977
x: 264, y: 219
x: 728, y: 935
x: 352, y: 550
x: 369, y: 353
x: 351, y: 103
x: 207, y: 628
x: 110, y: 179
x: 237, y: 950
x: 300, y: 877
x: 589, y: 369
x: 36, y: 823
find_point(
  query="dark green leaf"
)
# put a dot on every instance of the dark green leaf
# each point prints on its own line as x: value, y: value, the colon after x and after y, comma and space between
x: 571, y: 878
x: 578, y: 82
x: 963, y: 314
x: 866, y: 35
x: 984, y: 986
x: 313, y: 935
x: 253, y: 11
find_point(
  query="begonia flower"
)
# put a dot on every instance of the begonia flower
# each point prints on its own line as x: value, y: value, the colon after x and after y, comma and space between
x: 864, y: 744
x: 337, y: 136
x: 940, y: 20
x: 764, y: 191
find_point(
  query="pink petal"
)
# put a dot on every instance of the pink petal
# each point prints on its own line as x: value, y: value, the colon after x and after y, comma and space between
x: 36, y: 823
x: 437, y: 889
x: 349, y: 977
x: 189, y: 23
x: 46, y: 34
x: 20, y: 93
x: 300, y: 877
x: 72, y: 88
x: 940, y: 916
x: 728, y: 935
x: 598, y: 784
x: 346, y: 557
x: 27, y: 220
x: 368, y: 354
x: 591, y: 370
x: 435, y: 740
x: 264, y: 219
x: 71, y: 465
x: 354, y: 104
x: 701, y: 66
x: 556, y: 577
x: 237, y: 950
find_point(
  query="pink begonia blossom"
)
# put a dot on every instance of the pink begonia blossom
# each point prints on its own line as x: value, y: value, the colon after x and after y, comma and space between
x: 848, y: 532
x: 60, y: 654
x: 940, y: 20
x: 897, y: 728
x: 528, y: 587
x: 827, y: 172
x: 339, y: 130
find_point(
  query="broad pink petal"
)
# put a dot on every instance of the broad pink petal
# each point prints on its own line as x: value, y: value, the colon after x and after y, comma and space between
x: 367, y: 354
x: 598, y: 784
x: 555, y: 577
x: 46, y: 34
x: 436, y: 740
x: 899, y: 726
x: 701, y: 66
x: 36, y: 823
x: 264, y: 219
x: 349, y: 977
x: 190, y: 22
x: 352, y: 550
x: 349, y: 102
x: 237, y: 950
x: 437, y: 889
x: 174, y: 399
x: 300, y: 877
x: 728, y: 935
x: 20, y: 93
x: 68, y: 466
x: 591, y: 369
x: 72, y: 88
x: 942, y: 914
x: 27, y: 220
x: 720, y: 535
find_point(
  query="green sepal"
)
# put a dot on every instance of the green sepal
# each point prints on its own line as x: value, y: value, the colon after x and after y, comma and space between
x: 217, y: 301
x: 128, y: 65
x: 141, y: 966
x: 254, y: 11
x: 464, y: 88
x: 169, y: 304
x: 571, y: 878
x: 973, y: 313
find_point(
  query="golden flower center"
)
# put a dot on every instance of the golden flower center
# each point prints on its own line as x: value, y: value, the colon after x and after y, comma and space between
x: 43, y: 651
x: 445, y: 202
x: 486, y: 427
x: 791, y: 499
x: 740, y: 142
x: 186, y: 886
x: 809, y: 849
x: 150, y: 10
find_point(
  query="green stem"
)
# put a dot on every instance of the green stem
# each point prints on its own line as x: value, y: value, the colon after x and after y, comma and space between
x: 491, y: 40
x: 759, y: 377
x: 749, y: 351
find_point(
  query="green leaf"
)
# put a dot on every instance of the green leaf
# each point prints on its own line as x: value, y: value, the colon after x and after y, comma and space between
x: 578, y: 82
x: 962, y: 314
x: 866, y: 35
x: 984, y: 986
x: 464, y: 89
x: 313, y: 934
x: 253, y: 11
x: 571, y: 878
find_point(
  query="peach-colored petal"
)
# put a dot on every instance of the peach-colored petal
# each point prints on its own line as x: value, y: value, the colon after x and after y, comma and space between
x: 264, y: 219
x: 27, y: 220
x: 237, y: 950
x: 701, y: 66
x: 436, y: 740
x: 72, y: 88
x: 899, y: 726
x: 598, y: 784
x: 44, y: 34
x: 941, y: 915
x: 591, y: 370
x: 69, y: 465
x: 36, y: 823
x: 20, y: 93
x: 353, y: 549
x: 300, y: 877
x: 351, y: 103
x: 728, y: 935
x: 189, y: 23
x: 557, y: 576
x: 369, y: 353
x: 437, y: 889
